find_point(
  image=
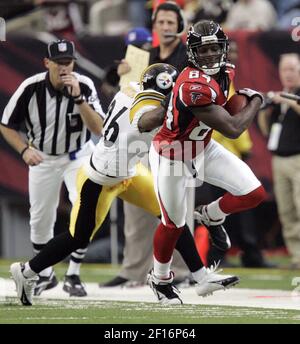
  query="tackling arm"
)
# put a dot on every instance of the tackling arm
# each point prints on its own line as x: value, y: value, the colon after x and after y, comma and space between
x: 147, y: 112
x: 151, y: 120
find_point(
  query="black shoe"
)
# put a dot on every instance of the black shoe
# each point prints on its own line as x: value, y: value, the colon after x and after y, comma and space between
x: 74, y: 286
x: 217, y: 232
x: 45, y: 283
x: 164, y: 290
x: 115, y: 282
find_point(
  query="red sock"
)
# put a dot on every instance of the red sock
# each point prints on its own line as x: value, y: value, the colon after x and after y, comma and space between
x: 164, y: 242
x: 231, y: 204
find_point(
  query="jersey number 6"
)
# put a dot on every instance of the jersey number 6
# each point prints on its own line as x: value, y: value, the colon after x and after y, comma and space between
x: 112, y: 130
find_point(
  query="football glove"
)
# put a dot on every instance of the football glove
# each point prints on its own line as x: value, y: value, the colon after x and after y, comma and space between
x: 250, y: 94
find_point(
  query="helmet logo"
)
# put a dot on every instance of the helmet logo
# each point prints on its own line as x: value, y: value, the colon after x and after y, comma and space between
x: 147, y: 77
x: 62, y: 47
x: 164, y: 80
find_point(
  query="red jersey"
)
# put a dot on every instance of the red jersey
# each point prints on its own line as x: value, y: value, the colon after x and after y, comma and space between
x: 182, y: 136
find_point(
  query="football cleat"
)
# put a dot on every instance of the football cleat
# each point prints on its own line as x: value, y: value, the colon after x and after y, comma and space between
x: 164, y: 290
x: 45, y: 283
x: 24, y: 286
x: 213, y: 281
x: 74, y: 286
x: 217, y: 232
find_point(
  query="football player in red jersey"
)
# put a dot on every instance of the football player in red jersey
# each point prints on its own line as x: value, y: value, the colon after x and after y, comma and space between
x: 196, y: 107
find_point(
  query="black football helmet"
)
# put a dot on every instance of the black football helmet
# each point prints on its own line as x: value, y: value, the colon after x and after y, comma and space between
x: 203, y: 34
x: 159, y: 77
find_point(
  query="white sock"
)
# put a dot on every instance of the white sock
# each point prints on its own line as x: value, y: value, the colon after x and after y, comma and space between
x: 162, y: 270
x: 199, y: 274
x: 214, y: 211
x: 75, y: 261
x: 74, y: 268
x: 28, y: 273
x: 46, y: 272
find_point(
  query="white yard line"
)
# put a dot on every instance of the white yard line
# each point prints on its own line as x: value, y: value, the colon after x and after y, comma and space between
x: 263, y: 298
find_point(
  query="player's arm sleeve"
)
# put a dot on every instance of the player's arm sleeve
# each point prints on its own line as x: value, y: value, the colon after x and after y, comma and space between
x: 196, y: 94
x: 16, y: 109
x: 93, y: 98
x: 145, y: 101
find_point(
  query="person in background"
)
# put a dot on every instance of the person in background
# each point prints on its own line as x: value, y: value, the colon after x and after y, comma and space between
x: 139, y: 37
x: 251, y: 15
x: 137, y: 13
x: 280, y: 121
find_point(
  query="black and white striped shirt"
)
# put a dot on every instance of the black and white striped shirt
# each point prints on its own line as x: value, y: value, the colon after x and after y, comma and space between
x: 52, y: 119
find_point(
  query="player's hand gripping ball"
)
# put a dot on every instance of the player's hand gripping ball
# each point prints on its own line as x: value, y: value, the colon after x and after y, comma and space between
x: 236, y: 103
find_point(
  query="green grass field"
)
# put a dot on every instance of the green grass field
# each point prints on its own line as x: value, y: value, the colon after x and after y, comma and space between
x: 104, y: 312
x: 74, y: 311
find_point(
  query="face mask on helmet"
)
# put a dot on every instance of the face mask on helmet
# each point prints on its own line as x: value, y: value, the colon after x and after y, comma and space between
x: 159, y: 77
x: 207, y: 52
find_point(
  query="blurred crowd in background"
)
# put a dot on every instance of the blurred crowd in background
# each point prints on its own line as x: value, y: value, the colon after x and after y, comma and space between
x: 80, y: 15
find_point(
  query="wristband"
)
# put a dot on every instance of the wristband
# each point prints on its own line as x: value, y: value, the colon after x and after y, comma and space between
x: 24, y: 150
x: 78, y: 100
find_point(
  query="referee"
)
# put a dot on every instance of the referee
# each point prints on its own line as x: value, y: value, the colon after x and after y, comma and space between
x: 60, y: 110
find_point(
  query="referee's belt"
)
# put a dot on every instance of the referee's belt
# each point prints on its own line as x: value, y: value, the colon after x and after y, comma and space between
x: 72, y: 155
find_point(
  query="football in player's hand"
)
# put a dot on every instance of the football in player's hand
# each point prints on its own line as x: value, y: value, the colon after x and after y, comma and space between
x: 236, y: 103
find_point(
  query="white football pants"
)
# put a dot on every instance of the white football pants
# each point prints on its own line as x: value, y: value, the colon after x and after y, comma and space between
x: 217, y: 166
x: 45, y: 181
